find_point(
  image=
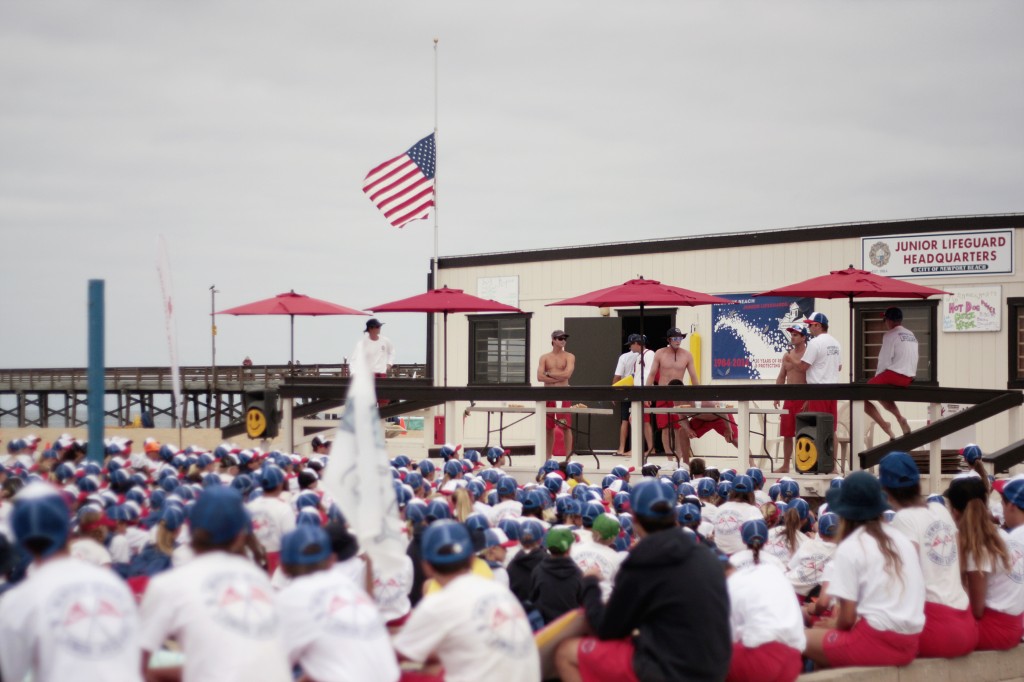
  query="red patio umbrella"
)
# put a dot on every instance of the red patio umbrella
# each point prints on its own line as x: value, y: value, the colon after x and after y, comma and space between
x: 641, y: 292
x: 444, y: 301
x: 291, y: 304
x: 852, y: 283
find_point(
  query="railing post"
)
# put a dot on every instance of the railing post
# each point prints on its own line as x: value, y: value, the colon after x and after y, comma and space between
x: 636, y: 434
x: 934, y: 452
x: 743, y: 417
x: 540, y: 434
x: 858, y: 429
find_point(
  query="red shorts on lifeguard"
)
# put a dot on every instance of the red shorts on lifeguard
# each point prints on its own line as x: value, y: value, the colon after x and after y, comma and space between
x: 561, y: 418
x: 606, y: 660
x: 891, y: 378
x: 864, y: 645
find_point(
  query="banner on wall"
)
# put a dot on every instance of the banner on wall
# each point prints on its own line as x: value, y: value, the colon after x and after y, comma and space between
x: 972, y: 309
x: 749, y: 337
x: 944, y: 254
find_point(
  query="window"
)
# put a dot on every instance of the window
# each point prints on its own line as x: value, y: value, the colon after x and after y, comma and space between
x: 1015, y: 308
x: 499, y: 350
x: 920, y: 317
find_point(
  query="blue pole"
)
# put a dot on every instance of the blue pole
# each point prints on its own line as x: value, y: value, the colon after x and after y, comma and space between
x: 96, y: 372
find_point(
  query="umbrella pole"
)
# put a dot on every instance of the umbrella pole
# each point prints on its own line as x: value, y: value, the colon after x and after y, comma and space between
x: 445, y: 348
x: 292, y: 358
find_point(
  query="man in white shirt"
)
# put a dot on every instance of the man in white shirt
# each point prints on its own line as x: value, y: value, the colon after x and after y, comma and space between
x: 272, y: 516
x: 380, y: 352
x: 69, y: 620
x: 331, y: 627
x: 822, y: 362
x: 219, y: 607
x: 474, y: 626
x: 897, y: 366
x: 635, y: 362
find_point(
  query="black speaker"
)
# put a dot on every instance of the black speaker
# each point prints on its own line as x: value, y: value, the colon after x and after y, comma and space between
x: 814, y: 451
x: 262, y: 417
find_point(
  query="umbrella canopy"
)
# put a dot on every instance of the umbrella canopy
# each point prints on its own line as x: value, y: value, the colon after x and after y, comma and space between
x: 444, y: 300
x: 291, y: 304
x: 852, y: 283
x: 641, y: 292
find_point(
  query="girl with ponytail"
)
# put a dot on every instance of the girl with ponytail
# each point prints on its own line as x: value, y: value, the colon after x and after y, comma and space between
x: 767, y: 625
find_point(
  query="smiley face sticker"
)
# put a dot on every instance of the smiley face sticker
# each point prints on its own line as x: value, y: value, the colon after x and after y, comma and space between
x: 255, y: 422
x: 806, y: 454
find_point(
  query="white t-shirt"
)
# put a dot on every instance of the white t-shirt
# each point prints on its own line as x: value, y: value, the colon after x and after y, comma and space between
x: 629, y: 364
x: 590, y: 554
x: 778, y: 544
x: 120, y: 551
x: 934, y: 532
x: 478, y: 630
x: 708, y: 513
x: 391, y: 591
x: 70, y: 621
x: 88, y: 550
x: 334, y: 631
x: 824, y: 356
x: 886, y: 602
x: 806, y: 568
x: 220, y: 609
x: 379, y: 353
x: 506, y: 509
x: 1005, y: 589
x: 745, y: 559
x: 272, y: 517
x: 731, y: 516
x: 899, y: 352
x: 764, y: 608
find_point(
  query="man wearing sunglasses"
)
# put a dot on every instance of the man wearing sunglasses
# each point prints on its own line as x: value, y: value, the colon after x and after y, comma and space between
x: 555, y: 369
x: 672, y: 363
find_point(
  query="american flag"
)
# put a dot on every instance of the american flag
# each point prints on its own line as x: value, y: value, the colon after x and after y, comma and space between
x: 402, y: 188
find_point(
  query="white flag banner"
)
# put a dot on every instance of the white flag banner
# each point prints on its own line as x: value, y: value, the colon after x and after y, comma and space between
x: 358, y: 474
x: 163, y: 268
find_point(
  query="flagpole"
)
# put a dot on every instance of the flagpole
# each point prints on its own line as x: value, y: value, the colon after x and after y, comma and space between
x: 436, y: 230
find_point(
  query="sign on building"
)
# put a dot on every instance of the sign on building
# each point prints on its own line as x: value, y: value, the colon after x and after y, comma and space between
x: 972, y: 309
x: 749, y: 337
x: 941, y: 254
x: 501, y: 289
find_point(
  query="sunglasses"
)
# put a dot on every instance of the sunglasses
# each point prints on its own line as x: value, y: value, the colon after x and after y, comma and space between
x: 676, y: 338
x: 561, y: 338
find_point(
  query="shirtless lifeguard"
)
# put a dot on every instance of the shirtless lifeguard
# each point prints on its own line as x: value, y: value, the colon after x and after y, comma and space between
x: 673, y: 362
x: 555, y: 369
x: 792, y: 372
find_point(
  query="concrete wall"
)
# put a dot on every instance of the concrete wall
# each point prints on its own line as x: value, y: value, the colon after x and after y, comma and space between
x: 981, y: 666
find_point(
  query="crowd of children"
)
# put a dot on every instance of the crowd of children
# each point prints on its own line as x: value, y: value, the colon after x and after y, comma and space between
x: 164, y: 563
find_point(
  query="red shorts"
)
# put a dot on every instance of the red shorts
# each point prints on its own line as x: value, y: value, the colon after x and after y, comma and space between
x: 381, y: 375
x: 948, y: 633
x: 787, y: 422
x: 827, y: 406
x: 998, y: 631
x: 563, y: 419
x: 864, y: 645
x: 273, y: 561
x: 602, y: 660
x: 891, y: 378
x: 771, y: 662
x: 663, y: 420
x: 725, y: 428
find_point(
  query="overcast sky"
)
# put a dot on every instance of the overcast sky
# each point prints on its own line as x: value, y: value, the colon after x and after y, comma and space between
x: 241, y: 132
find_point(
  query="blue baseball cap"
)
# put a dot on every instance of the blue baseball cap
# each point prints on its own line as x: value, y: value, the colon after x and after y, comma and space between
x: 971, y: 453
x: 800, y: 328
x: 439, y: 509
x: 1013, y: 492
x: 688, y: 513
x: 680, y: 476
x: 534, y: 499
x: 40, y: 518
x: 494, y: 455
x: 820, y: 318
x: 743, y: 484
x: 621, y: 471
x: 427, y: 467
x: 531, y: 531
x: 221, y: 513
x: 828, y: 525
x: 446, y: 542
x: 859, y: 499
x: 773, y: 491
x: 705, y: 487
x: 271, y: 478
x: 802, y: 508
x: 506, y: 486
x: 453, y: 468
x: 724, y: 488
x: 727, y: 475
x: 173, y: 517
x: 306, y: 545
x: 754, y: 532
x: 650, y: 499
x: 416, y: 514
x: 788, y: 489
x: 591, y: 510
x: 574, y: 469
x: 898, y: 470
x: 757, y: 475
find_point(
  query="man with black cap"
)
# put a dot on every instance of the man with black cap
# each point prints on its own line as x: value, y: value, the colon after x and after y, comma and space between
x: 380, y: 352
x: 897, y: 366
x: 555, y: 369
x: 672, y: 363
x: 635, y: 362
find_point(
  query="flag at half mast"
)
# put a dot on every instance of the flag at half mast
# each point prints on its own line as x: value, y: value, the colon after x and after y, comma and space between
x: 402, y: 188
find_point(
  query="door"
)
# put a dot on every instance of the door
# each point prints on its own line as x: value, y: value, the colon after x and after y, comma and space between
x: 597, y: 343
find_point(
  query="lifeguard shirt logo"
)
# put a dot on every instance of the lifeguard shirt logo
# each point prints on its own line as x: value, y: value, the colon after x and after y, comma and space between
x: 500, y: 621
x: 727, y: 524
x: 348, y: 614
x: 1016, y: 550
x: 940, y: 544
x: 809, y: 568
x: 93, y: 620
x: 240, y: 602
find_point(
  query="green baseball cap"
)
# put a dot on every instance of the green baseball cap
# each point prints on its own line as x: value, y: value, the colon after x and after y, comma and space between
x: 559, y: 539
x: 606, y: 527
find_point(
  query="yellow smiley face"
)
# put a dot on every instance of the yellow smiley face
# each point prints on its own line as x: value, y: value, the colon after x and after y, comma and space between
x: 806, y: 456
x: 255, y: 422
